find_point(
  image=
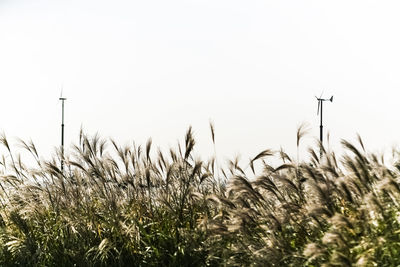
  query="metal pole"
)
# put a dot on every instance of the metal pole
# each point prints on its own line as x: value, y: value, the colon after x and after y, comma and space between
x: 321, y: 129
x: 321, y: 126
x: 62, y: 134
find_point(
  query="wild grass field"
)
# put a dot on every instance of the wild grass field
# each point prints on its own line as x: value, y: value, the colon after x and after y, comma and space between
x: 121, y: 206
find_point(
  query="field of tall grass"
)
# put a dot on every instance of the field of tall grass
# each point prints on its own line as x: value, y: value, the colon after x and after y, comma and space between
x: 135, y: 206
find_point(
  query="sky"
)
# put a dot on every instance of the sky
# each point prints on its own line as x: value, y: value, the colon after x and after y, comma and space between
x: 138, y: 69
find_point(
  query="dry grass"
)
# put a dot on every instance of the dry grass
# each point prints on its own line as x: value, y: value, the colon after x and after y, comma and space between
x: 118, y: 206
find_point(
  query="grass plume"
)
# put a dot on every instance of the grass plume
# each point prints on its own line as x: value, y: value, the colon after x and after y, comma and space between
x: 119, y: 206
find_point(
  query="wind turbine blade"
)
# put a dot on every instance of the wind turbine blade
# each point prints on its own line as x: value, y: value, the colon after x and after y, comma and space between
x: 319, y: 104
x: 62, y: 89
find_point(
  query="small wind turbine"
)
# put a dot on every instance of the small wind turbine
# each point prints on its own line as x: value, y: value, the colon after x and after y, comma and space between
x: 62, y: 130
x: 320, y: 104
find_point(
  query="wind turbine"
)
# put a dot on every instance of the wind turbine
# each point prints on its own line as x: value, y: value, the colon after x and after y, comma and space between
x: 62, y: 131
x: 319, y: 111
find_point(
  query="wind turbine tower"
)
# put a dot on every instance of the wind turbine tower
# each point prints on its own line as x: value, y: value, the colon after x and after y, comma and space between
x: 62, y: 132
x: 319, y: 111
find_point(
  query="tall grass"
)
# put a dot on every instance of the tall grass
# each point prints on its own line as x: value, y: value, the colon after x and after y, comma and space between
x: 124, y: 206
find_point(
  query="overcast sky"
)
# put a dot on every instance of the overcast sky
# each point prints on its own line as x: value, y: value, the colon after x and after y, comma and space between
x: 138, y: 69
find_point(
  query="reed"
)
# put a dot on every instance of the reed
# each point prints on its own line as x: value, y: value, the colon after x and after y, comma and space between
x: 123, y: 206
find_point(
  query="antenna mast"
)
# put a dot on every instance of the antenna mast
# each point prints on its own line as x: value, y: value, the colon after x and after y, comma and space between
x: 321, y: 127
x: 62, y: 133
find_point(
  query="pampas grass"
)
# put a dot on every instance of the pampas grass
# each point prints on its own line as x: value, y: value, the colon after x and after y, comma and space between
x: 123, y: 206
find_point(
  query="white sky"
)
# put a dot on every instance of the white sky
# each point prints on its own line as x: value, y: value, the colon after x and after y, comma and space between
x: 138, y: 69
